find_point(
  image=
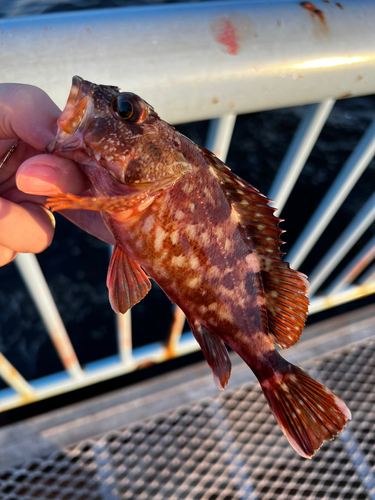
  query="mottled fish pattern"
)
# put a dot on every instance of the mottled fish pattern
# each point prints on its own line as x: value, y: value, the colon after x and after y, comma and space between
x: 207, y: 237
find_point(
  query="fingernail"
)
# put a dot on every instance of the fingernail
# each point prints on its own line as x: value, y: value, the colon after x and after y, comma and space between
x: 51, y: 216
x: 37, y: 180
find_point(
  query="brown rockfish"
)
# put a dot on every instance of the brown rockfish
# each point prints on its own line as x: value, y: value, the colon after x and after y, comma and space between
x: 207, y: 237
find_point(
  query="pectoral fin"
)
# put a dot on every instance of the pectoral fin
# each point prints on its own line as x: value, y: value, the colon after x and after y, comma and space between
x: 69, y: 201
x: 126, y: 281
x: 215, y: 352
x: 124, y: 196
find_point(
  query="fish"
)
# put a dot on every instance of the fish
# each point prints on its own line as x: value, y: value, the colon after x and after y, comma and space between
x: 208, y: 238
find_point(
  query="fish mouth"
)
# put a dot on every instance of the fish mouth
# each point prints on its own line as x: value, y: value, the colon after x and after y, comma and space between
x: 72, y: 117
x: 76, y: 105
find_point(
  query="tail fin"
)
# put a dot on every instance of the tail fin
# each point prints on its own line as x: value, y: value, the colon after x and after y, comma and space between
x: 307, y: 412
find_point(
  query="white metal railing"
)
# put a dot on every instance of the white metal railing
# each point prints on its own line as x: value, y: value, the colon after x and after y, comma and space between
x: 177, y: 58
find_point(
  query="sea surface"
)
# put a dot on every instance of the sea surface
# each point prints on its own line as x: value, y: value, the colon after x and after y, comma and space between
x: 75, y: 265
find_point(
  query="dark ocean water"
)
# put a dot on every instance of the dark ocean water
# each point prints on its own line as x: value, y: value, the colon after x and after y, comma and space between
x: 75, y: 265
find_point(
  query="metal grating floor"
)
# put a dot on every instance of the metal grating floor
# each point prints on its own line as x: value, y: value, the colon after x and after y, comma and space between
x: 223, y: 448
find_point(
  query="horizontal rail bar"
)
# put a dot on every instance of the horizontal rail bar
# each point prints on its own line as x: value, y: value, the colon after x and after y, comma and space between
x: 33, y: 277
x: 318, y: 304
x: 299, y: 150
x: 360, y: 223
x: 341, y: 187
x: 98, y: 371
x: 368, y: 277
x: 244, y: 56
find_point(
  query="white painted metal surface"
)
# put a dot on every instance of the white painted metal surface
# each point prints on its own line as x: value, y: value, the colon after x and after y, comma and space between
x: 198, y: 61
x: 203, y: 60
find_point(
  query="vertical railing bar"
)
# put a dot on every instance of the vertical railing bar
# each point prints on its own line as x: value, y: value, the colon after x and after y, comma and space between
x: 219, y: 135
x: 33, y: 277
x: 354, y: 268
x: 218, y: 140
x: 344, y: 182
x: 368, y: 277
x: 124, y: 337
x: 13, y: 378
x: 299, y: 150
x: 124, y: 332
x: 343, y: 244
x: 175, y: 331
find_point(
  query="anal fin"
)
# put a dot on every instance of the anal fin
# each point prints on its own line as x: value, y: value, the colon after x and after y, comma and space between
x: 215, y: 352
x: 126, y: 281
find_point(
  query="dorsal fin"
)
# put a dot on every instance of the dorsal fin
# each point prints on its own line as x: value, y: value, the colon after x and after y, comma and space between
x: 284, y: 289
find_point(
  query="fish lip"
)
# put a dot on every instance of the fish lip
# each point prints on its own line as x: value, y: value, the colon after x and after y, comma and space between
x: 80, y: 88
x: 68, y: 137
x: 76, y: 105
x: 63, y: 143
x: 52, y: 147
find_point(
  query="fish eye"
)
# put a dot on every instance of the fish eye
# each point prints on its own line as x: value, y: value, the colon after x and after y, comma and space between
x: 129, y: 107
x: 124, y: 108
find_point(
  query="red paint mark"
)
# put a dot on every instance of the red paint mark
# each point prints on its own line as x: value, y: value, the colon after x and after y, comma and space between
x: 1, y: 32
x: 88, y: 31
x: 215, y: 100
x: 233, y: 32
x: 46, y: 29
x: 227, y: 36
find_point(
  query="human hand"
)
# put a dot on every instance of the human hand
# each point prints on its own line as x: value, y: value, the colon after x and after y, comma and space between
x: 28, y: 177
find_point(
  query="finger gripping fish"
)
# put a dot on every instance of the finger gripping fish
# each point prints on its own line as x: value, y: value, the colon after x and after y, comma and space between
x: 207, y: 237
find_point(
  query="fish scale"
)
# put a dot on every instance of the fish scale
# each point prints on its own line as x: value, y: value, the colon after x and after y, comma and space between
x: 208, y: 238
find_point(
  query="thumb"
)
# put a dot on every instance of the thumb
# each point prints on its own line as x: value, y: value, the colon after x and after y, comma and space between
x: 47, y: 174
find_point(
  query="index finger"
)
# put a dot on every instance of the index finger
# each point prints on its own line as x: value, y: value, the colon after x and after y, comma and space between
x: 26, y: 112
